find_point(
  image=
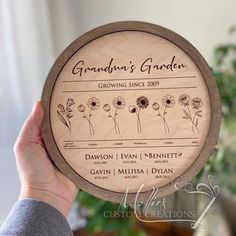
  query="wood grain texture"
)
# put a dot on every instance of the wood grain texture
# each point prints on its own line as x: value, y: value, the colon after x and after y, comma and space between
x: 127, y: 104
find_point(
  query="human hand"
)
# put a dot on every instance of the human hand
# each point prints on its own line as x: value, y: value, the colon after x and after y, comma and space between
x: 39, y: 179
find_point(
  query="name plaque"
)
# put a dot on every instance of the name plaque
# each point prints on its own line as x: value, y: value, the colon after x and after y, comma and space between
x: 130, y: 106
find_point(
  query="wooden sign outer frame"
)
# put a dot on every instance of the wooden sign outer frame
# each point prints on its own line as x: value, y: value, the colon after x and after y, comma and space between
x: 202, y: 65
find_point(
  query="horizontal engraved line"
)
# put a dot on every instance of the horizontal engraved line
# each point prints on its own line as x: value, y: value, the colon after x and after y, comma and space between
x: 119, y: 90
x: 133, y: 147
x: 78, y: 140
x: 167, y: 77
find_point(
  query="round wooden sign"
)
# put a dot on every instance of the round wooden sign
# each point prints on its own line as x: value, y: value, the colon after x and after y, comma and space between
x: 130, y: 106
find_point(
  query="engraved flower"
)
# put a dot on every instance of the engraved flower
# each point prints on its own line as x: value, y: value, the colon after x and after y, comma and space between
x: 196, y: 102
x: 142, y: 102
x: 184, y: 99
x: 81, y: 108
x: 70, y: 102
x: 193, y: 114
x: 64, y: 115
x: 132, y: 109
x: 93, y: 103
x: 119, y: 102
x: 61, y: 109
x: 69, y: 112
x: 155, y: 106
x: 168, y: 101
x: 106, y: 107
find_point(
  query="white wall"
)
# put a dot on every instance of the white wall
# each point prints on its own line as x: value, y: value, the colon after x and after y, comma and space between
x: 33, y: 33
x: 203, y: 23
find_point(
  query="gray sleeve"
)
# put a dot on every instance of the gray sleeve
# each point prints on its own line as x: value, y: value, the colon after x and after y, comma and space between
x: 31, y: 217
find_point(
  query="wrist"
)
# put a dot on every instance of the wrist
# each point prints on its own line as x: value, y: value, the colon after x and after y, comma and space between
x: 61, y: 204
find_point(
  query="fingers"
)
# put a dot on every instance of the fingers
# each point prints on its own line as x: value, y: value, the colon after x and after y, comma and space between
x: 37, y: 114
x: 30, y: 131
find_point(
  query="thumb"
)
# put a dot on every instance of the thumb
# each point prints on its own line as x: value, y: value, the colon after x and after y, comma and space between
x: 31, y: 129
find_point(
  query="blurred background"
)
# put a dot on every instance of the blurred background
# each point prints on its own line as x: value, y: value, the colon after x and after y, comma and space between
x: 34, y: 33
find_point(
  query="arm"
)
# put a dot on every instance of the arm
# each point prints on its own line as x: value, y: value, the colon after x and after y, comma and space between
x: 32, y: 217
x: 45, y: 194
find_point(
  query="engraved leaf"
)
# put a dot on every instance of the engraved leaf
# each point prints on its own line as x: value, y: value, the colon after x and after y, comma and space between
x: 186, y: 113
x: 62, y: 119
x: 69, y: 109
x: 69, y: 115
x: 185, y: 117
x: 69, y: 124
x: 196, y: 123
x: 198, y: 115
x: 199, y: 111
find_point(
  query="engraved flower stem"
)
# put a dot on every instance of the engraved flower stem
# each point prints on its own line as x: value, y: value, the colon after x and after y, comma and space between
x: 69, y: 124
x: 117, y: 129
x: 139, y: 126
x: 166, y: 127
x: 91, y: 129
x: 90, y: 115
x: 195, y: 110
x: 68, y: 120
x: 192, y: 119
